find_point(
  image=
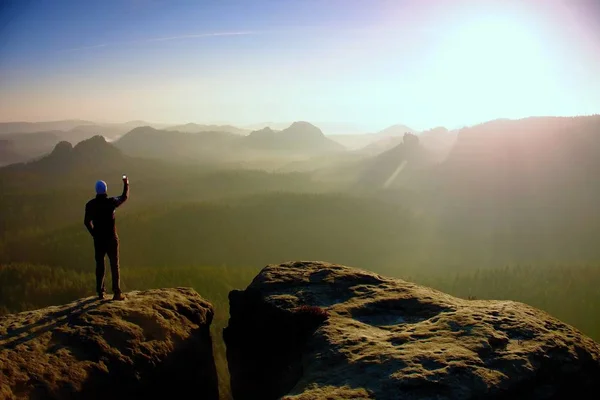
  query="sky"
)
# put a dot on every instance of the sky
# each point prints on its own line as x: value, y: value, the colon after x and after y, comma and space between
x: 356, y: 65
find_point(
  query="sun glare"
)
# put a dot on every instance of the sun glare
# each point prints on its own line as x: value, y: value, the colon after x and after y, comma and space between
x: 495, y: 63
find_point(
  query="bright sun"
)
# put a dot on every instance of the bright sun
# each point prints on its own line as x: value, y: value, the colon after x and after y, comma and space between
x: 494, y: 64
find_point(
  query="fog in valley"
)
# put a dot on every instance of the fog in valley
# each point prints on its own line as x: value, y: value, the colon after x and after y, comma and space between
x: 450, y: 152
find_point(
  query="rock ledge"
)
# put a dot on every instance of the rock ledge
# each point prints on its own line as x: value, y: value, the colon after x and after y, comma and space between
x: 155, y: 344
x: 366, y: 336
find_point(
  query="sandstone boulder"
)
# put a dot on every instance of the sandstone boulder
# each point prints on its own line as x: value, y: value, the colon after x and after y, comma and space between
x: 155, y: 344
x: 310, y: 330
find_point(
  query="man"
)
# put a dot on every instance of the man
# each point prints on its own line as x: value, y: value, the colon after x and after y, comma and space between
x: 100, y: 222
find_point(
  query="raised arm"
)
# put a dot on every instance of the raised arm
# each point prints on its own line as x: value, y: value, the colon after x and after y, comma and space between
x: 125, y: 195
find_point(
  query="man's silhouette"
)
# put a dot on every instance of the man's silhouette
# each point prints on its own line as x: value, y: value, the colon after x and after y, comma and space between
x: 100, y: 222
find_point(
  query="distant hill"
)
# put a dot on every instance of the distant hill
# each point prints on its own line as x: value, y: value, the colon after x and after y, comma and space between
x: 177, y: 146
x: 299, y: 139
x: 524, y: 156
x: 340, y: 128
x: 380, y: 145
x: 396, y: 166
x: 67, y: 125
x: 82, y: 132
x: 89, y: 155
x: 519, y: 188
x: 30, y: 145
x: 438, y: 141
x: 29, y: 127
x: 33, y: 145
x: 270, y: 124
x: 329, y: 128
x: 8, y: 155
x: 395, y: 130
x: 31, y: 141
x: 392, y: 133
x: 197, y: 128
x: 506, y: 191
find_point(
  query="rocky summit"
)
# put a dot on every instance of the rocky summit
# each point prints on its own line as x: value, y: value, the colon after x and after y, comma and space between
x: 311, y: 330
x: 155, y: 344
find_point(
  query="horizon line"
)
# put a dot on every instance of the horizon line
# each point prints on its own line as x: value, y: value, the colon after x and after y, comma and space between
x: 316, y: 123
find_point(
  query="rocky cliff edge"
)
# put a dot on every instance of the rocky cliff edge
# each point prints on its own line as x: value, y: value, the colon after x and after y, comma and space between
x: 312, y: 330
x: 155, y: 344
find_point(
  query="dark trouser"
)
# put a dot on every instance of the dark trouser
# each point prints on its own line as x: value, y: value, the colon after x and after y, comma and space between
x: 102, y: 247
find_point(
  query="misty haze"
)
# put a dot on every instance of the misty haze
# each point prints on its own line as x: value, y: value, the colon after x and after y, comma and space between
x: 300, y: 199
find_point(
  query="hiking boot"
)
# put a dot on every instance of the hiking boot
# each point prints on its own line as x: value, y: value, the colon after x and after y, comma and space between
x: 101, y: 296
x: 119, y: 296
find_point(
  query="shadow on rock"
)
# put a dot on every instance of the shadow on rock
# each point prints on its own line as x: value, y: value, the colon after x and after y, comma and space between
x: 156, y: 344
x: 23, y: 334
x: 265, y: 344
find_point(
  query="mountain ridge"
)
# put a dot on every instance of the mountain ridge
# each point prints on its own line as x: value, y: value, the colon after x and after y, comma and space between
x: 298, y: 139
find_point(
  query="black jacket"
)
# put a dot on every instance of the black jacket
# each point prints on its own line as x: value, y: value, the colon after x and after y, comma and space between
x: 100, y: 214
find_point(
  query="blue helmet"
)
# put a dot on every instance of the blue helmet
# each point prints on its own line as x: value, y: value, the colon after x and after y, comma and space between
x: 100, y: 187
